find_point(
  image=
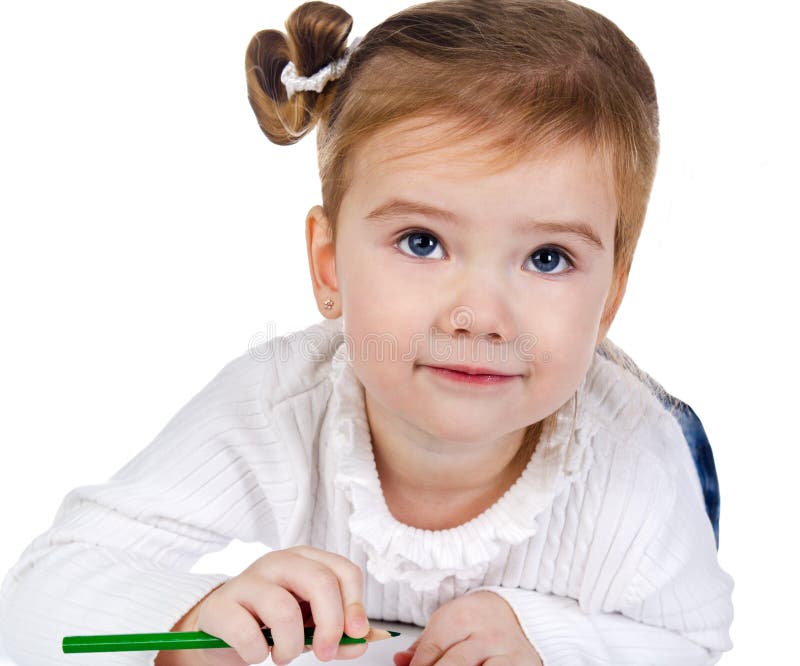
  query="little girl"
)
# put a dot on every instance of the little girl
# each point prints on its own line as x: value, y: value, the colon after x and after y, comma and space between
x: 456, y: 444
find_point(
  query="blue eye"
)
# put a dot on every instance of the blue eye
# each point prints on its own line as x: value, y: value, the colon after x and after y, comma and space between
x: 550, y: 259
x: 422, y: 244
x: 419, y: 241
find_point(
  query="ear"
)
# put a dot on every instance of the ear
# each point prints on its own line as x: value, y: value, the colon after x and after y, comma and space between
x: 614, y: 300
x: 322, y: 262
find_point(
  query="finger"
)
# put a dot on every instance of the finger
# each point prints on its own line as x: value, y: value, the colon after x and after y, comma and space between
x: 352, y: 651
x: 351, y: 583
x: 436, y: 639
x: 500, y: 660
x: 278, y: 609
x: 429, y: 652
x: 403, y: 658
x: 413, y: 646
x: 219, y: 657
x: 318, y: 584
x: 237, y: 627
x: 465, y: 653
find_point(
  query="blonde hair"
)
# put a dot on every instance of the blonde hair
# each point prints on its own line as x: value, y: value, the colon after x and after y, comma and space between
x: 526, y: 74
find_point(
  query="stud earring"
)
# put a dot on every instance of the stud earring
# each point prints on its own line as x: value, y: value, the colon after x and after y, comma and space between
x: 328, y: 303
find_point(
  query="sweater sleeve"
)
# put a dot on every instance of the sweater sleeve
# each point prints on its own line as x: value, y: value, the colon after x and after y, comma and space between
x: 674, y: 604
x: 118, y: 555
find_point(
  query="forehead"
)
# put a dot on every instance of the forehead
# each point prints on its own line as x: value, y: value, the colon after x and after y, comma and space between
x: 425, y: 160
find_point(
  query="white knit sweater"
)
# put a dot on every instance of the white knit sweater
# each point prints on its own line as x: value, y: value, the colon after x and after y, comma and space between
x: 602, y: 546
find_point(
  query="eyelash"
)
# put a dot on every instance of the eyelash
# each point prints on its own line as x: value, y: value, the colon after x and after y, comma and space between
x: 561, y: 251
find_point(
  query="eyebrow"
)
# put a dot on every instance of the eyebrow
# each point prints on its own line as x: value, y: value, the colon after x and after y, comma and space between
x: 402, y: 207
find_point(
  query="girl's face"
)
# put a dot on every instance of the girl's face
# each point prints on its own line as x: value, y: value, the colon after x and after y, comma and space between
x: 477, y: 283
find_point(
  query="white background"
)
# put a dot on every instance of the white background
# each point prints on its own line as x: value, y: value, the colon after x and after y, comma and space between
x: 149, y: 230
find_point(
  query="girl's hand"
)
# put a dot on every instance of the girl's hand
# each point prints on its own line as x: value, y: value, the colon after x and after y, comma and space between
x: 478, y: 629
x: 285, y: 590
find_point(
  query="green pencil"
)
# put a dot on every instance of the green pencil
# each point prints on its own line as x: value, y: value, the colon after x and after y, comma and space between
x: 186, y: 640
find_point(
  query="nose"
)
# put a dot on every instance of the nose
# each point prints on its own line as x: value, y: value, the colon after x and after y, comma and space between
x: 479, y: 310
x: 463, y: 320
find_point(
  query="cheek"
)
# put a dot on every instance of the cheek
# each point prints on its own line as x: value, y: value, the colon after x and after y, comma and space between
x: 562, y: 341
x: 366, y: 292
x: 369, y: 272
x: 390, y: 294
x: 383, y: 374
x: 553, y: 380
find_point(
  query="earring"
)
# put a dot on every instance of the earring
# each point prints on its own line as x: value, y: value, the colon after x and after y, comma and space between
x: 328, y: 303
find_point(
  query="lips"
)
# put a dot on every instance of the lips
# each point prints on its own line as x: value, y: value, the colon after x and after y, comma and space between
x: 473, y: 370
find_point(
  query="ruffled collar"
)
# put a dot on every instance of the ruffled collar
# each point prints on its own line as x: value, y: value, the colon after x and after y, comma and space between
x: 396, y: 551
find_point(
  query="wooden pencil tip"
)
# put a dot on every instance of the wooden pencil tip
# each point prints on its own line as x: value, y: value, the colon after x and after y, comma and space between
x: 379, y: 635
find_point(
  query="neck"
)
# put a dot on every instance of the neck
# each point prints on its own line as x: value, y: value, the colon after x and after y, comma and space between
x: 430, y: 484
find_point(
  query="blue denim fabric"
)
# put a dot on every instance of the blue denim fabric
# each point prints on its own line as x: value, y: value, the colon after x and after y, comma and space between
x: 703, y: 458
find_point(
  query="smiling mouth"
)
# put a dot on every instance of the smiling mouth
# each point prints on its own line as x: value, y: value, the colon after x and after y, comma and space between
x: 468, y: 370
x: 466, y: 378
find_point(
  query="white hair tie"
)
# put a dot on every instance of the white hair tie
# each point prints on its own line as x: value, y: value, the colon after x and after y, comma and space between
x: 333, y: 70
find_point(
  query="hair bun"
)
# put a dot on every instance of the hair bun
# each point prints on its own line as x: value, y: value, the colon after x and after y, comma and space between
x: 316, y: 35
